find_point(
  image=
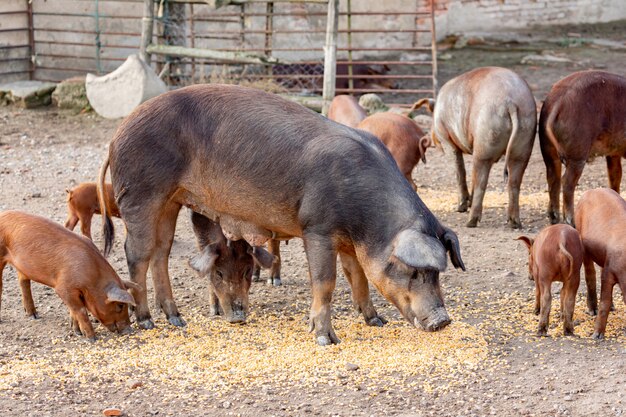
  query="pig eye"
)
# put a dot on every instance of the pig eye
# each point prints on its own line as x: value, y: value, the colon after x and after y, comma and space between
x: 219, y: 274
x: 119, y: 307
x: 414, y: 275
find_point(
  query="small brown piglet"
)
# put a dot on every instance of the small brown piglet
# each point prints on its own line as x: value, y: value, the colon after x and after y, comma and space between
x: 82, y: 204
x: 556, y: 254
x: 43, y: 251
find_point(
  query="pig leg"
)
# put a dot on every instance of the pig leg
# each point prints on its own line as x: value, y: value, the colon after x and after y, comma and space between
x: 27, y: 296
x: 256, y: 273
x: 553, y: 175
x: 461, y: 179
x: 614, y: 168
x: 409, y: 178
x: 72, y: 221
x: 546, y: 304
x: 516, y: 172
x: 78, y: 311
x: 159, y: 264
x: 274, y: 248
x: 322, y: 260
x: 214, y: 302
x: 480, y: 176
x: 607, y: 281
x: 537, y: 299
x: 360, y: 290
x: 590, y: 280
x: 2, y: 265
x: 573, y: 171
x: 85, y: 225
x: 568, y: 302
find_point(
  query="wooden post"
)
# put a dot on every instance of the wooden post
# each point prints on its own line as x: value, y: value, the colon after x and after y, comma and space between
x: 330, y: 54
x: 146, y: 29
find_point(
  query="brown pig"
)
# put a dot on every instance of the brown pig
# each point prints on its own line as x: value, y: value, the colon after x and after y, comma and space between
x: 228, y: 265
x: 584, y: 115
x: 45, y: 252
x: 601, y: 220
x: 487, y: 113
x: 556, y: 254
x: 404, y: 139
x: 82, y: 204
x: 346, y: 110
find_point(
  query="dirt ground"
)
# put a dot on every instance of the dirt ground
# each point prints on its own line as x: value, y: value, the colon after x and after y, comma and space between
x: 488, y: 362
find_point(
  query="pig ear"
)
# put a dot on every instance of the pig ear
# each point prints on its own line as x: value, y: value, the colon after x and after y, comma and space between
x: 527, y: 241
x: 419, y: 251
x: 424, y: 144
x: 132, y: 285
x: 116, y: 294
x: 205, y: 260
x: 451, y: 243
x: 262, y: 257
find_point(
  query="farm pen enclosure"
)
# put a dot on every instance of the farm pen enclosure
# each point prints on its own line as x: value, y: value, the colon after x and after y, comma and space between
x: 386, y: 47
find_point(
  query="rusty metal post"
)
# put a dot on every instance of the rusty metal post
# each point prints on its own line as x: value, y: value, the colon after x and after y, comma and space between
x: 330, y: 55
x: 269, y: 27
x: 31, y: 41
x: 146, y: 29
x: 433, y: 46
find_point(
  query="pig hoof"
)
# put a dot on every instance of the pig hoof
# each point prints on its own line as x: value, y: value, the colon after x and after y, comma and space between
x: 256, y: 277
x: 542, y: 333
x: 327, y: 340
x: 537, y: 311
x: 592, y: 312
x: 462, y: 208
x: 177, y: 321
x: 376, y: 321
x: 515, y: 224
x: 91, y: 339
x: 214, y: 311
x: 472, y: 223
x: 34, y: 316
x: 146, y: 324
x: 597, y: 336
x: 554, y: 217
x: 275, y: 281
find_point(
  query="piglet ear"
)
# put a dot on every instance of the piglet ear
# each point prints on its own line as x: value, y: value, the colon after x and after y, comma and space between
x: 527, y: 241
x: 205, y: 260
x: 419, y: 250
x: 262, y: 257
x: 132, y: 285
x: 116, y: 294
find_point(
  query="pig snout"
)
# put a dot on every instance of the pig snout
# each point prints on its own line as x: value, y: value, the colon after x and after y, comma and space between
x: 437, y: 320
x: 237, y: 314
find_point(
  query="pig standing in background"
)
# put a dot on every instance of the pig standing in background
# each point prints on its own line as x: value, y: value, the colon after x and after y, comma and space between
x: 45, y: 252
x: 601, y: 220
x: 487, y: 112
x: 584, y: 115
x: 401, y: 135
x: 228, y: 267
x: 556, y: 254
x: 279, y: 175
x: 346, y: 110
x: 82, y: 204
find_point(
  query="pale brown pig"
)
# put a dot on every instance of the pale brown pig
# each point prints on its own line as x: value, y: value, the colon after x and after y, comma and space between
x: 45, y: 252
x: 404, y: 139
x: 601, y: 220
x: 487, y: 113
x: 82, y: 204
x: 346, y: 110
x: 556, y: 254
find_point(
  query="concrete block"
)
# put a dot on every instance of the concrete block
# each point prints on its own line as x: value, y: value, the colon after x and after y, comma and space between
x: 27, y: 94
x: 116, y: 94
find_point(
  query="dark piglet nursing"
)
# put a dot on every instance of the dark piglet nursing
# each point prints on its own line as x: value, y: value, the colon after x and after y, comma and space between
x: 279, y: 175
x: 228, y: 266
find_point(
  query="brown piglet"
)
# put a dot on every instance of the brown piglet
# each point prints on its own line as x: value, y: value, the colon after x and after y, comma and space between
x: 556, y: 254
x: 600, y: 218
x: 82, y: 204
x: 43, y: 251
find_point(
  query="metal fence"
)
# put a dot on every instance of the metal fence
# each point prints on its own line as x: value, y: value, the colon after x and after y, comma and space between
x: 382, y: 47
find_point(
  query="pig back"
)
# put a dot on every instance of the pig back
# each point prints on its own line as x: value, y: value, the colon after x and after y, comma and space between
x: 256, y: 157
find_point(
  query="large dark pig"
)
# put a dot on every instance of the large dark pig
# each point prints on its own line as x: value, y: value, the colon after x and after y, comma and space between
x: 228, y: 266
x: 583, y: 116
x: 287, y: 172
